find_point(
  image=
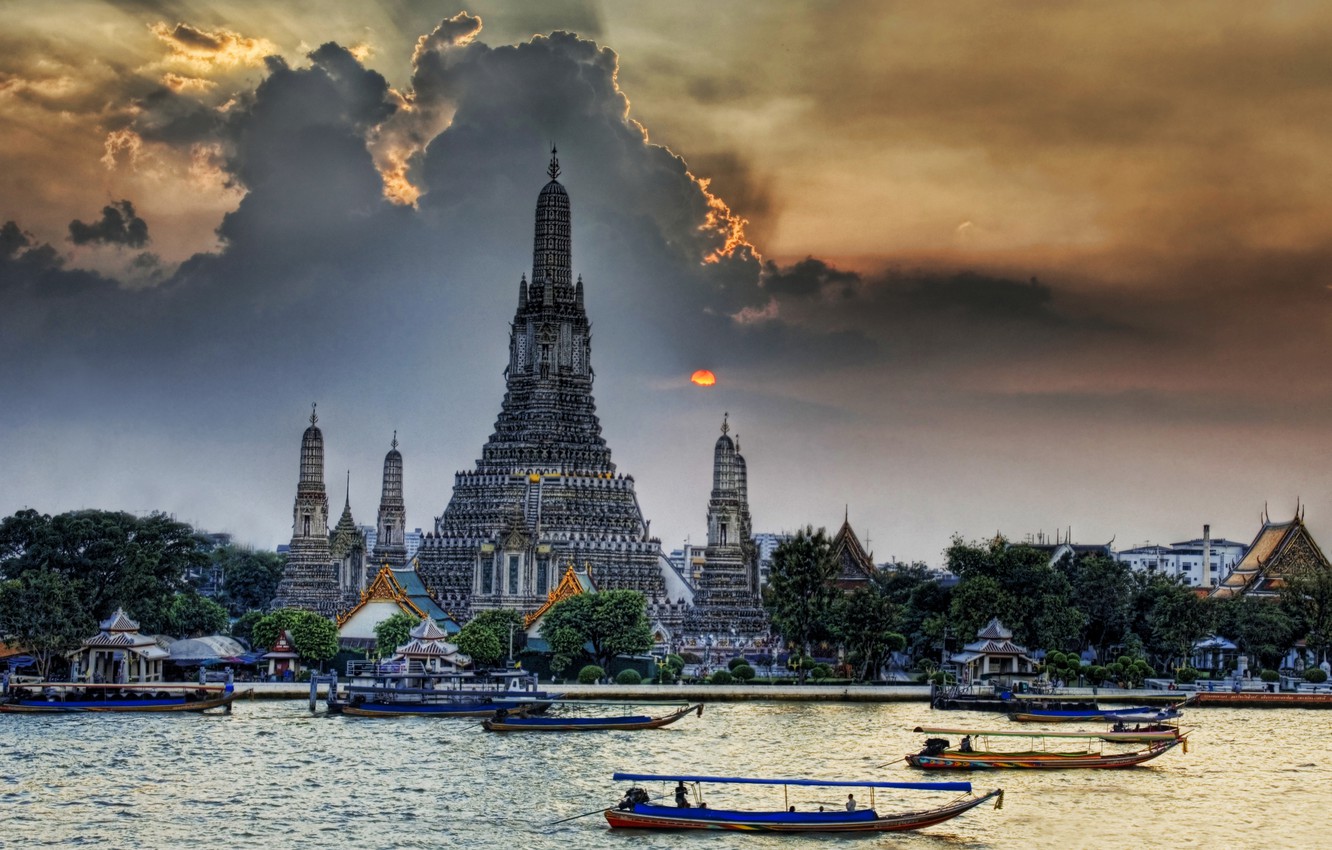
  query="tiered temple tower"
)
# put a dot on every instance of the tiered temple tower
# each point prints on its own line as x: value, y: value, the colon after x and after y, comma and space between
x: 544, y: 493
x: 727, y: 599
x: 391, y: 539
x: 346, y: 546
x: 309, y: 579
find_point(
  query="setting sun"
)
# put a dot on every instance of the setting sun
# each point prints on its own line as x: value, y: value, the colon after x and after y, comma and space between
x: 703, y: 378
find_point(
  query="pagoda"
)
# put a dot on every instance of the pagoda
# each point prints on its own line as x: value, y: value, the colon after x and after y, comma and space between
x: 727, y: 600
x: 544, y: 492
x: 310, y: 577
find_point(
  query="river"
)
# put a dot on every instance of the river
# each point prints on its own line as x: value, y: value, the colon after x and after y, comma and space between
x: 272, y: 775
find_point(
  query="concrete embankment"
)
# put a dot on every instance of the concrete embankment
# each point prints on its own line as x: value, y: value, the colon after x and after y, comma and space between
x: 750, y: 692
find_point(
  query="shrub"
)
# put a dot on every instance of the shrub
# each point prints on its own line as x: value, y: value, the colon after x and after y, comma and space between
x: 744, y: 672
x: 820, y: 671
x: 722, y: 677
x: 1186, y: 675
x: 1270, y: 676
x: 735, y: 662
x: 675, y: 663
x: 628, y: 677
x: 590, y: 674
x: 1315, y: 675
x: 939, y: 677
x: 691, y: 658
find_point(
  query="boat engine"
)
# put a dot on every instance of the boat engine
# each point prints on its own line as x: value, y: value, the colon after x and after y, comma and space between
x: 934, y: 746
x: 633, y: 797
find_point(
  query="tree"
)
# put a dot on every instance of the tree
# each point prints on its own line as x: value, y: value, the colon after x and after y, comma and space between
x: 392, y: 632
x: 191, y: 615
x: 865, y: 621
x: 1260, y: 628
x: 1308, y: 595
x: 250, y: 577
x: 314, y: 638
x: 111, y: 559
x: 42, y: 613
x: 801, y: 590
x: 611, y: 622
x: 1102, y: 589
x: 1027, y: 594
x: 243, y: 628
x: 487, y: 636
x: 1174, y: 620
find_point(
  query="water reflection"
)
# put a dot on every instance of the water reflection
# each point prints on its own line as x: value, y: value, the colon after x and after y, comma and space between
x: 271, y: 775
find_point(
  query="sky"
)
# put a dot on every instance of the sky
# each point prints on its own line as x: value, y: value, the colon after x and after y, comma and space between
x: 959, y: 269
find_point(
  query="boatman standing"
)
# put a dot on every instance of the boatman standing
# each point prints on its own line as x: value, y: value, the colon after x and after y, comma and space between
x: 681, y: 795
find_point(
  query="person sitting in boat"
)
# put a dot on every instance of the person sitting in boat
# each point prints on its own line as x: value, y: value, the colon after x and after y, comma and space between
x: 850, y: 802
x: 965, y: 746
x: 1119, y: 726
x: 681, y: 796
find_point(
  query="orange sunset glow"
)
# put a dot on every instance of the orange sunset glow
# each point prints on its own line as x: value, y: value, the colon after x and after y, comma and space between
x: 704, y: 378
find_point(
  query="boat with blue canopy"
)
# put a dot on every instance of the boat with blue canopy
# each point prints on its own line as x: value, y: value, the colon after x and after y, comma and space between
x: 638, y: 809
x: 86, y: 697
x: 1136, y: 714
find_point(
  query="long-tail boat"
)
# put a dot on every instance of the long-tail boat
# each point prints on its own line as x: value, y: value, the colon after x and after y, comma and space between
x: 638, y: 811
x: 75, y: 697
x: 1115, y: 735
x: 1135, y: 714
x: 507, y: 722
x: 938, y: 754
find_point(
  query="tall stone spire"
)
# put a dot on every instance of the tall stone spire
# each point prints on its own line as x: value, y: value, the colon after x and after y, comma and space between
x: 346, y: 546
x: 544, y: 493
x: 309, y: 579
x: 727, y: 600
x: 391, y: 538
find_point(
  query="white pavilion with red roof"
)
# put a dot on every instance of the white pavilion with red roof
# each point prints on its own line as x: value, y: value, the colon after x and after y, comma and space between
x: 993, y: 653
x: 429, y: 647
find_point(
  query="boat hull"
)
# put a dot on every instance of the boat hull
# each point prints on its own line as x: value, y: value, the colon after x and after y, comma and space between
x: 644, y: 816
x: 953, y: 760
x: 223, y: 701
x: 442, y: 709
x: 1141, y: 714
x: 585, y: 724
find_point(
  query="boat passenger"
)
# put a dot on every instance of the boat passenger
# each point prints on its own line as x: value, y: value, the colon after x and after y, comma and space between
x: 966, y: 744
x: 681, y: 796
x: 850, y: 802
x: 792, y: 809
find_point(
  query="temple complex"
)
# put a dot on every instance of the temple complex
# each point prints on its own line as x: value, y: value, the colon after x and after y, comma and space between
x: 727, y: 598
x: 544, y: 493
x: 310, y: 579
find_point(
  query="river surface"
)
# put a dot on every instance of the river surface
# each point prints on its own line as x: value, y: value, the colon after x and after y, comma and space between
x: 272, y: 775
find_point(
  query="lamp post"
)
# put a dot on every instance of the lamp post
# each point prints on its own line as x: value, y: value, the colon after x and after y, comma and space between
x: 512, y: 626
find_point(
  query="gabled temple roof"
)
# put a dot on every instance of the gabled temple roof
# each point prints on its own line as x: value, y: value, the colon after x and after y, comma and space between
x: 572, y: 583
x: 118, y: 622
x: 856, y: 566
x: 1278, y: 548
x: 384, y: 587
x: 994, y: 630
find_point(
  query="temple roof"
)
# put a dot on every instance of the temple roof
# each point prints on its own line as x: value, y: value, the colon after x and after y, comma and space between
x: 118, y: 622
x: 427, y: 629
x: 384, y: 587
x: 995, y: 630
x: 571, y: 584
x: 856, y: 566
x: 1277, y: 549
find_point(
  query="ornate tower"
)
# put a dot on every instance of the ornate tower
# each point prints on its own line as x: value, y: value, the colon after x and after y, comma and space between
x: 391, y: 540
x: 309, y: 579
x: 346, y: 546
x: 727, y: 601
x: 544, y: 493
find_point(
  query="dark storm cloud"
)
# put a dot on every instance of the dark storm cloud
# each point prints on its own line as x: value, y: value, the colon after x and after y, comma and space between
x: 119, y: 225
x: 808, y: 277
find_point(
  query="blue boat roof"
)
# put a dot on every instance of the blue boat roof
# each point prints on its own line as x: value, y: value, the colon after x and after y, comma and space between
x: 822, y: 783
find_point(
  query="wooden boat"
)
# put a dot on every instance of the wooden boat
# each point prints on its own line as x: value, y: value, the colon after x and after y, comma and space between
x: 80, y: 697
x: 637, y: 811
x: 1145, y: 735
x: 939, y: 755
x: 1136, y: 714
x: 508, y: 722
x: 401, y: 690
